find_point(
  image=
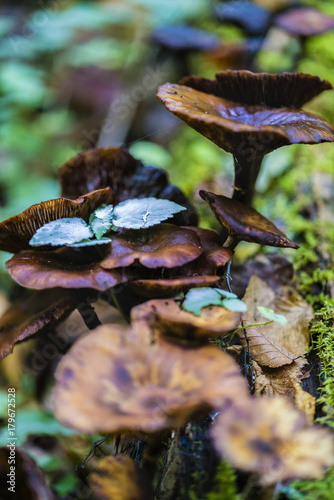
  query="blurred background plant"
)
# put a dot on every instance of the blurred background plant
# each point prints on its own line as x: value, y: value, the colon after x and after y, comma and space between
x: 80, y: 74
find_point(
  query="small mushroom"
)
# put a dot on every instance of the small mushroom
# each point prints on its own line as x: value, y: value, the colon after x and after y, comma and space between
x: 243, y: 223
x: 32, y: 312
x: 253, y: 19
x: 139, y: 386
x: 249, y: 115
x: 165, y: 317
x: 16, y: 232
x: 269, y: 437
x: 126, y: 177
x: 163, y: 245
x: 41, y: 270
x: 201, y: 272
x: 182, y: 38
x: 304, y: 22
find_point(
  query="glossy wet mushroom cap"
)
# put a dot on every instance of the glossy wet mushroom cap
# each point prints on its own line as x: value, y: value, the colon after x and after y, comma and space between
x: 244, y: 223
x: 41, y: 270
x: 139, y: 386
x: 126, y: 176
x: 16, y: 232
x: 163, y: 245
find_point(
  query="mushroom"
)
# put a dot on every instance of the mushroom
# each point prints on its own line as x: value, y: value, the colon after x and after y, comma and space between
x: 32, y: 312
x: 165, y: 317
x: 126, y: 177
x: 243, y: 223
x: 304, y: 22
x: 269, y: 437
x: 249, y: 115
x: 139, y: 386
x: 16, y: 232
x: 201, y: 272
x: 177, y: 42
x: 253, y: 19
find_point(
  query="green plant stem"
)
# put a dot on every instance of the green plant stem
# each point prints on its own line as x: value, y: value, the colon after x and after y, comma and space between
x: 118, y: 305
x: 250, y: 326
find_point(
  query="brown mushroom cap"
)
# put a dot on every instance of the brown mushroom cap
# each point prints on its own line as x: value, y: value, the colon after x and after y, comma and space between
x: 16, y: 232
x: 31, y: 313
x: 245, y: 223
x: 126, y: 176
x: 40, y: 270
x: 165, y: 317
x: 164, y: 245
x: 270, y: 437
x: 140, y: 386
x: 245, y: 129
x: 288, y: 90
x: 304, y: 22
x: 198, y: 273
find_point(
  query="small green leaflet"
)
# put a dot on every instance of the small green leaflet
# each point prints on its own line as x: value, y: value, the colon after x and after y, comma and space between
x: 270, y: 314
x: 197, y: 298
x: 101, y: 221
x: 62, y: 232
x: 90, y: 243
x: 144, y: 212
x: 235, y: 305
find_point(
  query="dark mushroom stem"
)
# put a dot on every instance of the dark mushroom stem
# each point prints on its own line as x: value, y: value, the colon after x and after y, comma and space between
x: 246, y: 170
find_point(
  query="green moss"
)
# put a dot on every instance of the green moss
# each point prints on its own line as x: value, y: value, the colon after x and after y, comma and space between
x: 321, y: 489
x: 224, y: 487
x: 322, y: 336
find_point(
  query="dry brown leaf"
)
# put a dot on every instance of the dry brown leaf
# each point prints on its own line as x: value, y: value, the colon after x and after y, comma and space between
x: 305, y: 402
x: 268, y: 436
x: 118, y: 478
x: 264, y: 349
x: 294, y: 336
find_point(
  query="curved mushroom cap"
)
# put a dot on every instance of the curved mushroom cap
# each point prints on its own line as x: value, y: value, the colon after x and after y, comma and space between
x: 287, y: 90
x: 40, y: 270
x: 245, y: 223
x: 244, y: 129
x: 183, y: 38
x: 16, y: 232
x: 254, y: 19
x: 198, y: 273
x: 270, y: 437
x: 304, y: 22
x: 163, y: 245
x: 165, y: 317
x: 32, y: 312
x: 127, y: 177
x: 140, y: 386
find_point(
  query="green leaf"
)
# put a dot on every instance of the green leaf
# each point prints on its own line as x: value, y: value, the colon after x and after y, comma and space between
x: 62, y: 232
x: 144, y: 212
x: 197, y: 298
x: 101, y: 221
x: 234, y: 305
x: 270, y: 314
x: 226, y: 294
x: 90, y: 243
